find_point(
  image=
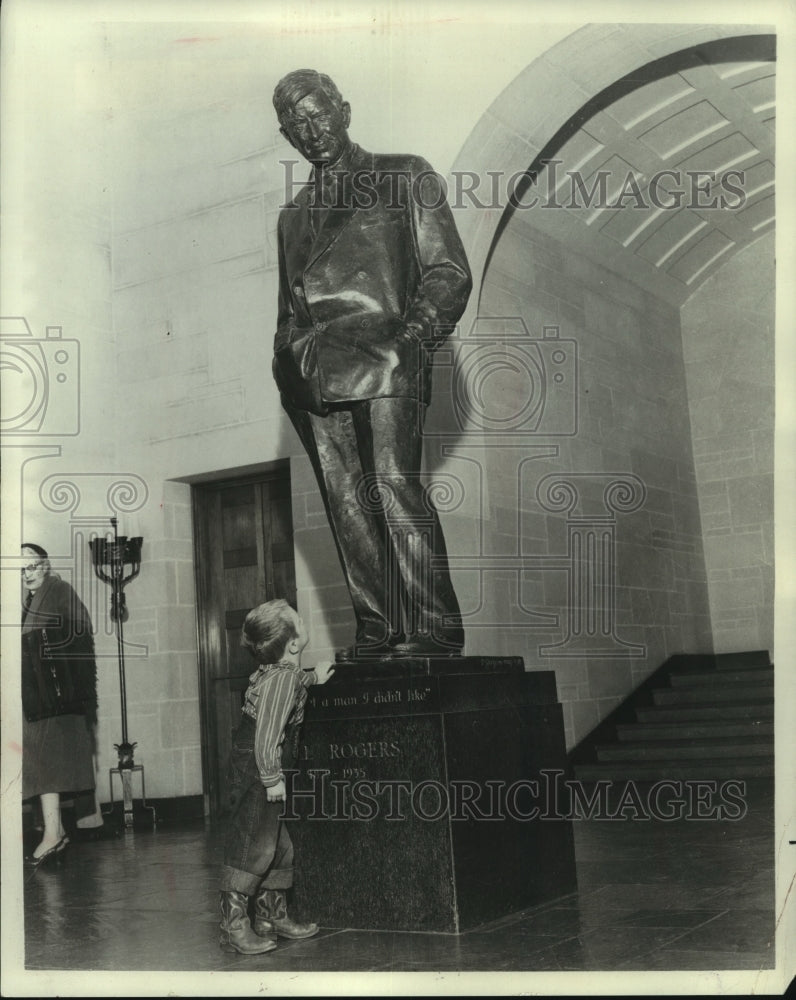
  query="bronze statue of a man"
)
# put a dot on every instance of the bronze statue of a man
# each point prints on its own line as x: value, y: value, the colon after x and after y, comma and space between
x: 372, y: 277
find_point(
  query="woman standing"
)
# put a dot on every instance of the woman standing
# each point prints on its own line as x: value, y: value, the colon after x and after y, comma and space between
x: 59, y: 698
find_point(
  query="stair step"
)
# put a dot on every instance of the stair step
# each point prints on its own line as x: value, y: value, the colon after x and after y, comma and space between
x: 701, y: 729
x: 702, y: 750
x: 700, y: 713
x: 753, y: 675
x: 733, y: 661
x: 726, y: 768
x: 707, y: 693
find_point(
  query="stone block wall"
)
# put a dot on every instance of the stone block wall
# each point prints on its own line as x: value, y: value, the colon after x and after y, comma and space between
x: 728, y: 344
x: 631, y: 424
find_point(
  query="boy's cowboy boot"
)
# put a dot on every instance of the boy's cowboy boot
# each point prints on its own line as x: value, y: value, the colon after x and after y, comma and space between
x: 270, y: 917
x: 236, y: 931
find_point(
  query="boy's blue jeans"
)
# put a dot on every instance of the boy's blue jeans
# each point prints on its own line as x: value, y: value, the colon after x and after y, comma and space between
x: 258, y: 852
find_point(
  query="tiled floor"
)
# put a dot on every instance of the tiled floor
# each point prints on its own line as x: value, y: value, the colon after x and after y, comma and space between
x: 651, y: 895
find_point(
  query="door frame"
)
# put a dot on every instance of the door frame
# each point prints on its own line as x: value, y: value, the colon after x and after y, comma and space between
x: 204, y: 637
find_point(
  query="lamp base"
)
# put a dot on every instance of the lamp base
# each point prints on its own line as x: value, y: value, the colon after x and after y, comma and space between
x: 126, y: 777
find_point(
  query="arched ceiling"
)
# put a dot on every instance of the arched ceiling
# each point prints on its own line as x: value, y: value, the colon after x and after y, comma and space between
x: 662, y: 140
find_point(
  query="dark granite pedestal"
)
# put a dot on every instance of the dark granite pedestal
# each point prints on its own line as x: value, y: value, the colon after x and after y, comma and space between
x: 419, y: 796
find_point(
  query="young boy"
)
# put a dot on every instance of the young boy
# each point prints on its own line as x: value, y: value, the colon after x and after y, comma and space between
x: 258, y: 854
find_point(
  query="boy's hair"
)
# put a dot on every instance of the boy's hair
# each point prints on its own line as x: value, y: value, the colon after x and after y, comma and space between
x: 267, y: 630
x: 296, y: 85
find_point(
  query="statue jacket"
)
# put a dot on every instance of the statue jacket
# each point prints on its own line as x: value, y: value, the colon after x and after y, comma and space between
x: 365, y: 249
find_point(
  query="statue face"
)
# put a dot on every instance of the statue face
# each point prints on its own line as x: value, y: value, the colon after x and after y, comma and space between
x: 317, y: 128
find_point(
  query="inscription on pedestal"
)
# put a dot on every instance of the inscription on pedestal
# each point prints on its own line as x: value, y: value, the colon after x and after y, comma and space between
x: 374, y: 698
x: 412, y: 797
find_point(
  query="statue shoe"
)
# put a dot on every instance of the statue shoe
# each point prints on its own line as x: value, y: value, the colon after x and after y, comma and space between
x: 424, y: 646
x: 365, y: 651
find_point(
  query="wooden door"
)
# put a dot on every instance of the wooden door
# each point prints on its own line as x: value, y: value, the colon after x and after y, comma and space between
x: 243, y: 542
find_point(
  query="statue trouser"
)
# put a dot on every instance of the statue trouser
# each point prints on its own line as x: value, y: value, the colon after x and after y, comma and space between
x: 367, y: 458
x: 258, y: 853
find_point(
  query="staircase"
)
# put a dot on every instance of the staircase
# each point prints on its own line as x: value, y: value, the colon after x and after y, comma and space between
x: 696, y: 717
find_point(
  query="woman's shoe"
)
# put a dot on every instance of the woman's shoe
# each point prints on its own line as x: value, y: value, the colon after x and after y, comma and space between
x: 54, y: 854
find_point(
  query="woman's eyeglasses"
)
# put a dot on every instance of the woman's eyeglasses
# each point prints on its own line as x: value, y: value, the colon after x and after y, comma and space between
x: 32, y: 567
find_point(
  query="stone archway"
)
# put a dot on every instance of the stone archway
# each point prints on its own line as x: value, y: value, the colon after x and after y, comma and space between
x: 518, y: 125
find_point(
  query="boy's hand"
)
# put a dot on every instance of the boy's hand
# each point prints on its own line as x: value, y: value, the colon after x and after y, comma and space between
x: 276, y: 793
x: 323, y: 671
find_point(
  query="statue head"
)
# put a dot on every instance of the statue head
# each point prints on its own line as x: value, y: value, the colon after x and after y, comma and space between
x: 313, y: 116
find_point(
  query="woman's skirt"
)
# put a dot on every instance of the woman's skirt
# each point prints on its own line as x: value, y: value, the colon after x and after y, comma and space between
x: 57, y: 755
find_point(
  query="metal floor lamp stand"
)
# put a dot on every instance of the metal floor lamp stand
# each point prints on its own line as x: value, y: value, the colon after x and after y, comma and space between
x: 109, y: 559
